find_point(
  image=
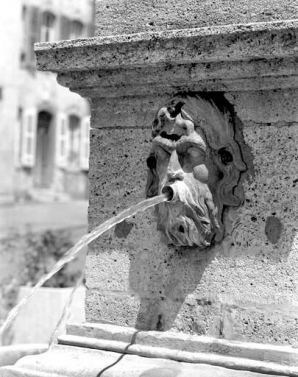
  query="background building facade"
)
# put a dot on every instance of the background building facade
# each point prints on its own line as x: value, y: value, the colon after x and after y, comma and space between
x: 44, y: 129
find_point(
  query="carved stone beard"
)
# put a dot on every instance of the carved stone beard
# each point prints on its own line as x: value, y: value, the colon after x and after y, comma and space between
x: 190, y: 220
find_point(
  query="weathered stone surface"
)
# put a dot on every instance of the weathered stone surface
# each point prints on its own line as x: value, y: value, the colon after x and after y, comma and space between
x: 243, y: 290
x: 219, y: 44
x: 274, y: 107
x: 163, y: 341
x: 225, y: 58
x: 85, y: 362
x: 118, y: 308
x: 126, y: 17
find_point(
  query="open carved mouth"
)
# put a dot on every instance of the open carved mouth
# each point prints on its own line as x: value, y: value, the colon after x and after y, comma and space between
x: 181, y: 229
x: 169, y: 192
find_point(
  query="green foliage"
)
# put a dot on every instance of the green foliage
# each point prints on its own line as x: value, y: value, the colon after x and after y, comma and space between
x: 42, y: 251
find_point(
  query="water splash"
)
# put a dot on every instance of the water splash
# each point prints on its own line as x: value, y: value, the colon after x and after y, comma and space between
x: 71, y: 253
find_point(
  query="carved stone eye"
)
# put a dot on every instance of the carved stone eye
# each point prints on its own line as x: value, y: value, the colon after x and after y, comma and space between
x: 195, y: 152
x: 225, y: 156
x: 174, y: 111
x: 161, y: 154
x: 151, y: 162
x: 155, y: 123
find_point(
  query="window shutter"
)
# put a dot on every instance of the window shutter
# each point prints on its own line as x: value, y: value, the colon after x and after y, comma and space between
x: 24, y: 57
x: 61, y: 140
x: 84, y: 151
x: 64, y: 28
x: 28, y: 145
x: 34, y: 31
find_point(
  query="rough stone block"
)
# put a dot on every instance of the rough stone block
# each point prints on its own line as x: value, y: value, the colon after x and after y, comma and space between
x: 110, y: 272
x: 117, y: 309
x: 253, y: 267
x: 269, y: 325
x: 123, y: 17
x: 271, y: 107
x: 201, y: 316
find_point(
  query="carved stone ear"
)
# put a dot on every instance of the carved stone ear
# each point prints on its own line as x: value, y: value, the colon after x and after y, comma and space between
x: 152, y: 178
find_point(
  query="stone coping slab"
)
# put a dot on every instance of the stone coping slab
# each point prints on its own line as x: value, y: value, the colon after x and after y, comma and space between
x: 192, y: 343
x: 184, y: 348
x: 258, y: 56
x: 81, y: 362
x: 219, y: 43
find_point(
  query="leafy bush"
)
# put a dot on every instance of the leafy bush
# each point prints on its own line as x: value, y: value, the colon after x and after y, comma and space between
x: 42, y: 251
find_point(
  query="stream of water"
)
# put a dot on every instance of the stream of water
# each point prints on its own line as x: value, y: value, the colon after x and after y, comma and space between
x: 84, y: 241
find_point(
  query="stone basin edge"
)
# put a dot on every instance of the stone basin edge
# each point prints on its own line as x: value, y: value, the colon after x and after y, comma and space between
x: 117, y: 338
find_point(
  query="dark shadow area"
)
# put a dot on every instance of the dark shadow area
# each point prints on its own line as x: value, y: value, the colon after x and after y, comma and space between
x: 163, y: 279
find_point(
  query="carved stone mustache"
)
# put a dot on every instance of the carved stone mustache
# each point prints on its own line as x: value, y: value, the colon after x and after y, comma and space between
x: 186, y: 217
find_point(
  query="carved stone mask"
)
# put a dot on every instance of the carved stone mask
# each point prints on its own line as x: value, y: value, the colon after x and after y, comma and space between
x: 197, y: 162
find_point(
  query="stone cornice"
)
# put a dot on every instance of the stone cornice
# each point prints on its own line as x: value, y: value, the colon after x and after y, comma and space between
x: 220, y: 43
x: 234, y: 57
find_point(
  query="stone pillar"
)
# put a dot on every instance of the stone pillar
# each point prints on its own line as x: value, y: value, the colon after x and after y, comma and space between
x: 240, y: 293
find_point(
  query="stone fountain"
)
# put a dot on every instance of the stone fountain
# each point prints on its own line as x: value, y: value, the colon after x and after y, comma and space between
x: 206, y: 284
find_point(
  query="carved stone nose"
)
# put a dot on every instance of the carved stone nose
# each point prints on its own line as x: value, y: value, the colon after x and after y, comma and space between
x: 174, y: 172
x: 175, y: 175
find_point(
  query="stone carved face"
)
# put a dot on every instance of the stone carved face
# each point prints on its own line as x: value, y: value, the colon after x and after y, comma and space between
x: 196, y: 160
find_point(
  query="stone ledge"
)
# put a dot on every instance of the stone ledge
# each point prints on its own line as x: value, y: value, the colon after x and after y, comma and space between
x: 178, y: 346
x: 236, y: 363
x: 70, y: 361
x: 220, y: 43
x: 258, y: 56
x: 159, y: 87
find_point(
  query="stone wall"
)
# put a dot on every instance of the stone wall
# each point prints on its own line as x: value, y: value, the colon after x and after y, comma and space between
x: 127, y: 17
x: 243, y: 289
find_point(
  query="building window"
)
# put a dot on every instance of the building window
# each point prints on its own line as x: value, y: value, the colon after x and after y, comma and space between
x: 28, y: 136
x: 21, y: 130
x: 37, y: 27
x: 47, y: 30
x: 71, y: 29
x: 30, y: 34
x: 64, y: 28
x: 76, y: 29
x: 74, y: 141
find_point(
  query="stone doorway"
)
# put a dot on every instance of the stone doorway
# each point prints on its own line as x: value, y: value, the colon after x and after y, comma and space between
x: 43, y: 176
